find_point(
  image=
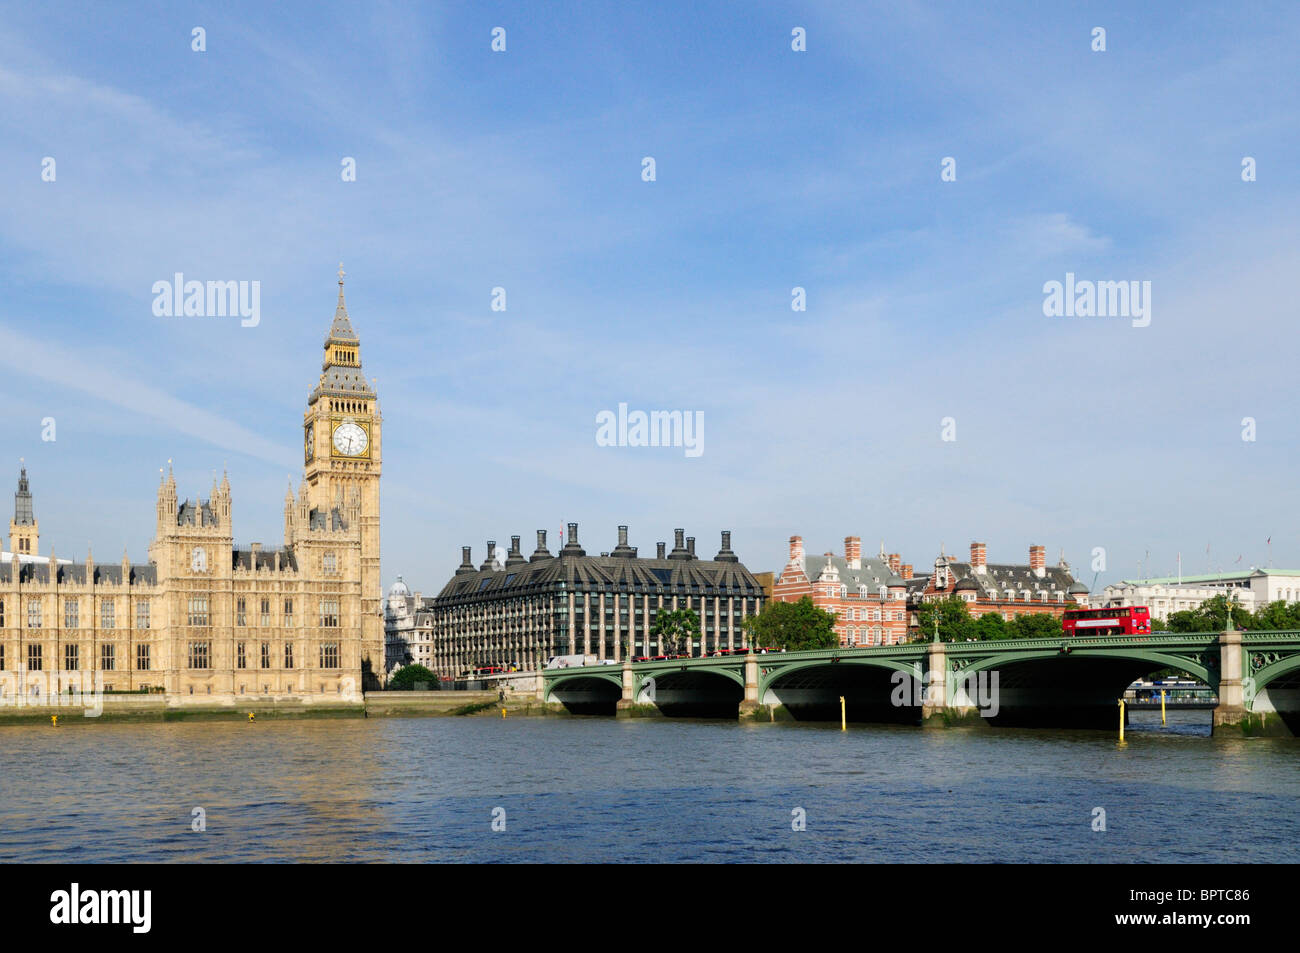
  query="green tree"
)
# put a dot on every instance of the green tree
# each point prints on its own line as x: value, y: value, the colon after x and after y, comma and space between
x: 955, y: 622
x: 1036, y: 625
x: 793, y: 626
x: 1277, y: 615
x: 990, y: 627
x: 675, y: 629
x: 1211, y: 616
x: 413, y: 678
x: 1215, y: 614
x: 1184, y: 620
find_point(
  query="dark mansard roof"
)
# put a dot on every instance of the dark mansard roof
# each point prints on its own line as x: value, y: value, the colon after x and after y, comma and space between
x: 999, y: 577
x: 333, y: 520
x: 200, y: 513
x: 615, y: 572
x: 243, y: 559
x: 69, y: 574
x: 875, y: 572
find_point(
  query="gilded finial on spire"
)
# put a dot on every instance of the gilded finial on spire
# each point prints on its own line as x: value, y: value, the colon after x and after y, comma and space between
x: 341, y: 274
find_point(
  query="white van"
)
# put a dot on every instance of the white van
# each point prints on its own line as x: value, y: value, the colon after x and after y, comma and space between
x: 569, y: 661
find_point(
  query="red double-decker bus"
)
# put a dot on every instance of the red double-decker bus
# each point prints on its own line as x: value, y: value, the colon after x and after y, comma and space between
x: 1127, y: 620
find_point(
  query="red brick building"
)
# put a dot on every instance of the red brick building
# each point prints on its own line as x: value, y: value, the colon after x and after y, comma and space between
x: 1011, y: 589
x: 868, y: 596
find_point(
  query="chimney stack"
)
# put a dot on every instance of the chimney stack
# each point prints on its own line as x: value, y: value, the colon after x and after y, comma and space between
x: 623, y: 549
x: 491, y: 548
x: 571, y: 546
x: 977, y: 557
x: 1038, y: 560
x: 690, y: 547
x: 895, y: 561
x: 853, y: 551
x: 465, y: 564
x: 906, y: 571
x: 516, y: 556
x: 725, y: 555
x: 659, y: 550
x: 541, y: 551
x: 796, y: 548
x: 679, y: 545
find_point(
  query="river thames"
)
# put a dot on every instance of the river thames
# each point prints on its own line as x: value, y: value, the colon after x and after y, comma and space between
x: 597, y: 789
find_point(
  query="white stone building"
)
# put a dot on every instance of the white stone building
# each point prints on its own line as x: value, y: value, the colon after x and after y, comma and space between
x: 408, y: 629
x: 1251, y: 589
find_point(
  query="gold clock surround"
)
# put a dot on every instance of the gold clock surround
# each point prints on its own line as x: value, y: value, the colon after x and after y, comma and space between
x: 337, y: 421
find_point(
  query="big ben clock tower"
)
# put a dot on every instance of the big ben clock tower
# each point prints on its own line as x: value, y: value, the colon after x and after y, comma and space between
x: 341, y: 451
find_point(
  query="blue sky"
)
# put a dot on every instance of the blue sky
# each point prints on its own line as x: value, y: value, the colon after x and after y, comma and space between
x: 775, y: 169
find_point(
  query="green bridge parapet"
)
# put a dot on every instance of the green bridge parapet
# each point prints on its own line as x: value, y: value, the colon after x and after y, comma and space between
x: 1238, y: 665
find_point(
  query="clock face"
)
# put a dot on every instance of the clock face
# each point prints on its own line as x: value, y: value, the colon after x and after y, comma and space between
x: 350, y: 440
x: 199, y: 559
x: 310, y: 448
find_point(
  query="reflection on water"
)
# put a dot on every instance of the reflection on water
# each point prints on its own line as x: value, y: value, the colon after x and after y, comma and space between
x: 576, y: 789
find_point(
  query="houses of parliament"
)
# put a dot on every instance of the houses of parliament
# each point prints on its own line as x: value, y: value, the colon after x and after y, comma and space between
x: 203, y: 620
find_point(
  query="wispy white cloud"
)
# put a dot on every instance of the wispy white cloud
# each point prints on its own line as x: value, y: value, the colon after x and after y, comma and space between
x: 40, y: 362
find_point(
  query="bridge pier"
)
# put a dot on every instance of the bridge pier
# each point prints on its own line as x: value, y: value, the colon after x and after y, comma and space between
x: 938, y: 706
x: 934, y: 694
x: 749, y: 707
x: 1252, y: 714
x: 1231, y: 709
x: 625, y: 706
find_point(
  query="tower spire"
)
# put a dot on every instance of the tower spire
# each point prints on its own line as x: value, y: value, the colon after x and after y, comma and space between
x: 23, y: 500
x: 341, y: 372
x: 341, y: 329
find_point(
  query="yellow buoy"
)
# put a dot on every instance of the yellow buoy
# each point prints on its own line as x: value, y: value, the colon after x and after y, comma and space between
x: 54, y: 720
x: 844, y: 725
x: 250, y: 716
x: 1162, y: 706
x: 1121, y: 721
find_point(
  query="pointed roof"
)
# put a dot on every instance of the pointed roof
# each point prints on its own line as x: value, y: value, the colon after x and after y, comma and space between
x: 343, y: 379
x: 341, y: 328
x: 23, y: 515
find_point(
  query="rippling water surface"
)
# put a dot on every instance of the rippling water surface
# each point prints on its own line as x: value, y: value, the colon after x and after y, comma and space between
x: 576, y: 789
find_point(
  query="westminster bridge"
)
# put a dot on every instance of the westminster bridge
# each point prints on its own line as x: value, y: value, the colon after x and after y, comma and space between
x: 1056, y: 682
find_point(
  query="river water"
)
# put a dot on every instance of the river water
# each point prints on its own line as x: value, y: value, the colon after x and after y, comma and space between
x: 596, y: 789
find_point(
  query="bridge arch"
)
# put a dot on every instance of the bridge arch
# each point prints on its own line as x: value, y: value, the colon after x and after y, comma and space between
x: 811, y: 689
x: 778, y: 670
x: 1150, y: 658
x: 586, y: 693
x: 1062, y: 685
x: 693, y: 691
x: 1273, y: 671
